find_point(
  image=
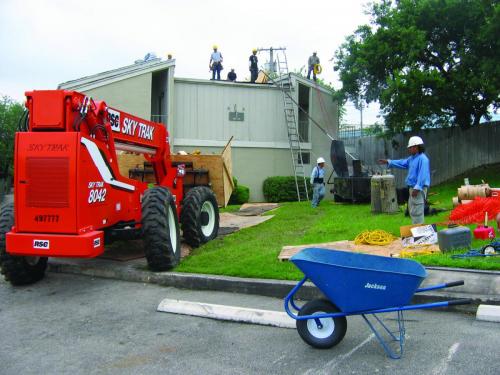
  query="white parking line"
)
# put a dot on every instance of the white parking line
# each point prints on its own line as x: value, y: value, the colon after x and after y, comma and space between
x: 443, y: 366
x: 326, y: 369
x: 231, y: 313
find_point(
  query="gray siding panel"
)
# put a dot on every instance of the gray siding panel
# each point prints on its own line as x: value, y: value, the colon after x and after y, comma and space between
x: 202, y: 113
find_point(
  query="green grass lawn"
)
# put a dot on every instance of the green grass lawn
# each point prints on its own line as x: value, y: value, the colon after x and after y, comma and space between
x: 253, y: 252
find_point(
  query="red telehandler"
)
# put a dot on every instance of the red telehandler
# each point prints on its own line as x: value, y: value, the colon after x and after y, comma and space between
x: 70, y: 198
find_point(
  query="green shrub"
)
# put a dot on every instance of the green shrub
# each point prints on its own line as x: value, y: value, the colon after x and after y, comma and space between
x: 282, y: 189
x: 240, y: 195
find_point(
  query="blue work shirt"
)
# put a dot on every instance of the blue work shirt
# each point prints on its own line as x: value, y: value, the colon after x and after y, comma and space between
x: 317, y: 172
x: 419, y: 175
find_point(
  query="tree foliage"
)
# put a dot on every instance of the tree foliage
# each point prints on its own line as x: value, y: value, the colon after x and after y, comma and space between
x: 10, y: 113
x: 428, y: 62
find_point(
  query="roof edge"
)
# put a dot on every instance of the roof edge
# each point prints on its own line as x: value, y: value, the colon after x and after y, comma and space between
x: 110, y: 76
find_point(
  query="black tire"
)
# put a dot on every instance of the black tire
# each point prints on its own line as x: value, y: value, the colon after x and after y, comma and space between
x: 332, y: 331
x: 18, y: 270
x: 199, y: 216
x: 160, y: 229
x: 488, y: 250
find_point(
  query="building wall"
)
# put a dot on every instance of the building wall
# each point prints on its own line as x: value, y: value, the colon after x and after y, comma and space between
x: 132, y: 95
x: 260, y: 145
x: 324, y: 111
x: 202, y: 114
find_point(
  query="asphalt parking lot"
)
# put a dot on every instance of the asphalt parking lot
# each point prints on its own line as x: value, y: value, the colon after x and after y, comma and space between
x: 68, y: 324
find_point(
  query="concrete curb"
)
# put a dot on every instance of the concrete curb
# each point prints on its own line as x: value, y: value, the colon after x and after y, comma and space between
x: 488, y: 313
x: 229, y: 313
x: 480, y: 287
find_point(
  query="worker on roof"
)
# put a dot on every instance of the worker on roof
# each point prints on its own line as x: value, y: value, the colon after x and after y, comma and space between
x: 231, y: 76
x: 253, y: 65
x: 318, y: 182
x: 215, y: 63
x: 418, y: 179
x: 311, y: 63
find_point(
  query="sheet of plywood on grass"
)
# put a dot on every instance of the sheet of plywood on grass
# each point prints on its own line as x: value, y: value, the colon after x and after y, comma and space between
x: 393, y: 249
x: 214, y: 165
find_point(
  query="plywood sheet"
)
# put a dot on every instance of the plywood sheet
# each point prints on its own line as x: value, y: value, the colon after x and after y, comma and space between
x: 393, y: 249
x: 127, y: 161
x: 214, y: 165
x: 220, y: 169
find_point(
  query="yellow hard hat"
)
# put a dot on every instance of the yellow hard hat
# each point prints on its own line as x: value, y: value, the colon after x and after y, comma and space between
x: 214, y: 46
x: 254, y: 50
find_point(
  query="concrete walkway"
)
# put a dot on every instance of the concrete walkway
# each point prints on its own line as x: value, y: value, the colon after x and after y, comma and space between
x: 483, y: 287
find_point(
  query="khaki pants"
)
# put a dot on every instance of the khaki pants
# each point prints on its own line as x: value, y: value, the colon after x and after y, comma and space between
x: 416, y: 206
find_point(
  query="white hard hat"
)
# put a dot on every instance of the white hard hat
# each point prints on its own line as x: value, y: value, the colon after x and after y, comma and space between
x: 415, y: 141
x: 320, y: 160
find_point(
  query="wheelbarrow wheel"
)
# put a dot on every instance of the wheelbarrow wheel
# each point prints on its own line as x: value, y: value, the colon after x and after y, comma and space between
x: 329, y: 332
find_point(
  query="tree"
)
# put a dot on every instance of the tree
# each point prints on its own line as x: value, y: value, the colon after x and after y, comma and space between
x: 428, y: 62
x: 10, y: 114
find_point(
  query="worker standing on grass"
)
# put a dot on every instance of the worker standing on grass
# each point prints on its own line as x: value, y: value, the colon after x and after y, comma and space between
x: 254, y: 65
x: 215, y: 63
x: 418, y: 179
x: 318, y: 182
x: 311, y: 63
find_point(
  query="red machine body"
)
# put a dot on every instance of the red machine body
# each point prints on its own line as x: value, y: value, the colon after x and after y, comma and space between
x: 68, y: 187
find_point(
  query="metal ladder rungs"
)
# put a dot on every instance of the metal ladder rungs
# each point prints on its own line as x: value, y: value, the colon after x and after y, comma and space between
x: 285, y: 85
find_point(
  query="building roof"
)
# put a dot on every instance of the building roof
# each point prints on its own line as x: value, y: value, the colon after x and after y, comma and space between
x: 157, y: 64
x: 308, y: 82
x: 105, y: 78
x: 225, y: 82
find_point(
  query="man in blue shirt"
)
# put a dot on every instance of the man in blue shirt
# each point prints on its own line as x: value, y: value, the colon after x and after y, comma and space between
x: 318, y: 182
x: 418, y: 179
x: 215, y: 63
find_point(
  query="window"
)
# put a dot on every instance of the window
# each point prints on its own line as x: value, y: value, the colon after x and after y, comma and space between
x: 306, y: 158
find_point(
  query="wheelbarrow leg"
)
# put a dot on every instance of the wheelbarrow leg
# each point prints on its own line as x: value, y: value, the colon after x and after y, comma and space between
x: 385, y: 345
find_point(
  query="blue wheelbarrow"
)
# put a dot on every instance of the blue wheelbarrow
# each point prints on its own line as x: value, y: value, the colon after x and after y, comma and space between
x: 358, y: 284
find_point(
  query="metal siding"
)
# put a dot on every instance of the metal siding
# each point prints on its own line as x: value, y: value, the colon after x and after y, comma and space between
x: 202, y: 113
x: 132, y: 95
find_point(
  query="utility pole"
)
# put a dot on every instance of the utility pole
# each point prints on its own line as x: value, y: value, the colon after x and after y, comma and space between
x: 359, y: 104
x: 361, y: 118
x: 272, y: 65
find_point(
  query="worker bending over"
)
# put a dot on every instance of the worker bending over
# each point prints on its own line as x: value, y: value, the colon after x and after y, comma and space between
x: 318, y: 182
x: 418, y: 179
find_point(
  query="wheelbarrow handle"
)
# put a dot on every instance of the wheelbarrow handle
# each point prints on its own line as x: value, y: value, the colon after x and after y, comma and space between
x: 461, y: 301
x: 454, y: 283
x: 440, y: 286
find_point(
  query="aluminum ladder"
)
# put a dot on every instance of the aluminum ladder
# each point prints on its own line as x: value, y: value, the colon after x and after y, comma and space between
x: 285, y: 84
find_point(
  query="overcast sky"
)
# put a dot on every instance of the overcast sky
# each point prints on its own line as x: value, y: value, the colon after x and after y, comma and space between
x: 44, y: 43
